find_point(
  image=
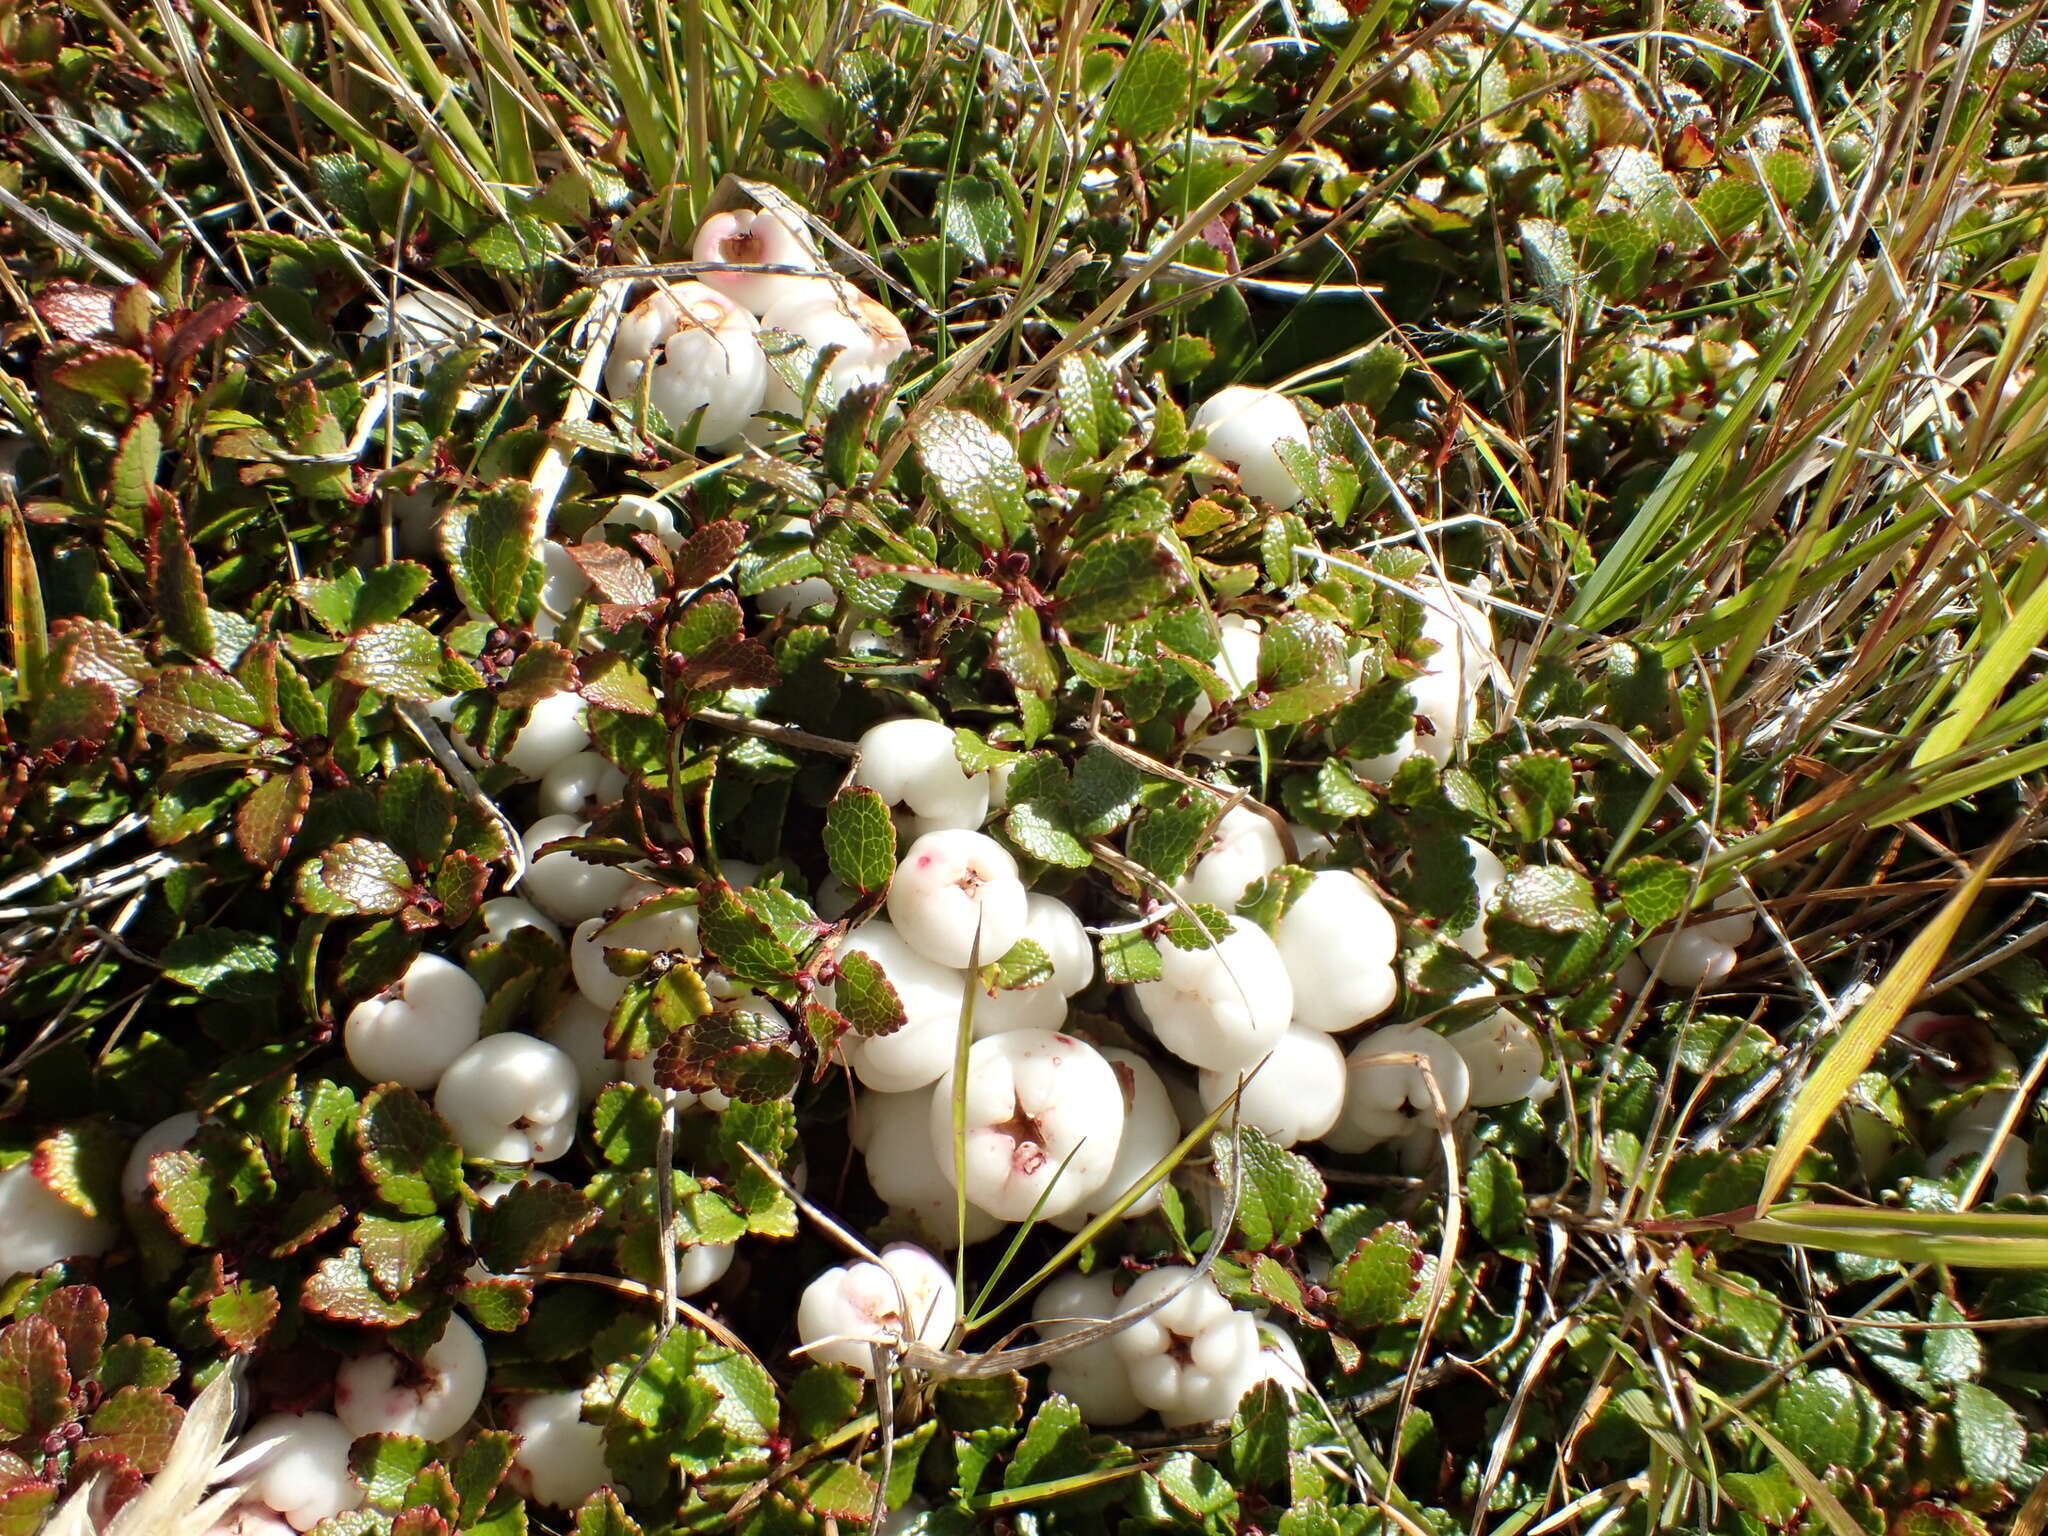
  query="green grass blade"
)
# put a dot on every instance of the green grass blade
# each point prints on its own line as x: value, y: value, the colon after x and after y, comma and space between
x: 1999, y: 664
x: 1872, y: 1024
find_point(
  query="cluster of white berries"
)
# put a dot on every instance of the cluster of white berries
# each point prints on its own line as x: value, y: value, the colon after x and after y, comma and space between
x: 1697, y: 953
x: 1055, y: 1128
x: 508, y: 1097
x: 694, y: 351
x: 1052, y: 1127
x: 1189, y: 1360
x: 1254, y: 431
x: 695, y: 347
x: 294, y: 1469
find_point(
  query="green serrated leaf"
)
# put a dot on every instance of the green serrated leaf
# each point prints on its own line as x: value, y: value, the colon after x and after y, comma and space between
x: 1653, y: 890
x: 407, y: 1153
x: 1128, y: 958
x: 739, y: 940
x: 1281, y: 1194
x: 1088, y: 405
x: 357, y: 877
x: 1152, y: 90
x: 531, y: 1224
x: 416, y: 807
x: 398, y: 658
x: 860, y: 840
x: 975, y: 472
x: 1118, y: 579
x: 1537, y: 792
x: 866, y: 996
x: 1379, y: 1283
x: 1164, y: 839
x: 976, y: 219
x: 223, y: 963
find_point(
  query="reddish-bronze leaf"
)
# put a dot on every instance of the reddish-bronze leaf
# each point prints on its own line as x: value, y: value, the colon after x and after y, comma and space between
x: 198, y: 329
x: 541, y: 671
x: 270, y: 818
x: 35, y: 1382
x: 709, y: 552
x: 138, y: 1424
x: 618, y: 574
x: 79, y: 1314
x: 77, y: 712
x: 735, y: 662
x: 77, y: 311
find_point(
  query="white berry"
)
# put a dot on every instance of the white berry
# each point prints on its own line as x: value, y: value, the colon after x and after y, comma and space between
x: 893, y: 1133
x: 377, y: 1393
x: 426, y: 327
x: 1337, y: 941
x: 1053, y: 926
x: 1295, y: 1094
x: 579, y: 784
x: 908, y: 1296
x: 1280, y: 1358
x: 1389, y: 1099
x: 563, y: 585
x: 956, y: 896
x: 501, y: 915
x: 1192, y: 1359
x: 565, y: 887
x: 1222, y: 1007
x: 409, y: 1033
x: 577, y: 1030
x: 1243, y: 422
x: 701, y: 1266
x: 1050, y: 924
x: 1044, y: 1115
x: 1237, y: 659
x: 638, y: 514
x: 868, y: 336
x: 1244, y: 849
x: 743, y: 237
x: 1008, y: 1009
x: 1688, y: 958
x: 556, y: 729
x: 1505, y: 1059
x: 511, y: 1099
x: 559, y: 1457
x: 790, y: 598
x: 912, y: 763
x: 673, y: 929
x: 305, y: 1474
x: 1489, y: 875
x: 1093, y: 1377
x: 915, y: 1054
x: 38, y: 1227
x: 691, y: 349
x: 1733, y: 930
x: 1152, y: 1129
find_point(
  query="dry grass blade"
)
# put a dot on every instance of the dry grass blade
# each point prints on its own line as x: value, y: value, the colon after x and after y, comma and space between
x: 175, y: 1502
x: 2033, y: 1516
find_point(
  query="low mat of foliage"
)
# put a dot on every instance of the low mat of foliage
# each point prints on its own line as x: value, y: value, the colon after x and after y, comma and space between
x: 1707, y: 334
